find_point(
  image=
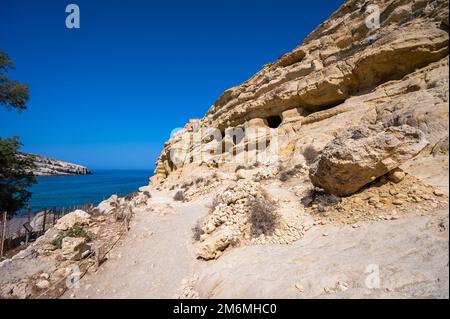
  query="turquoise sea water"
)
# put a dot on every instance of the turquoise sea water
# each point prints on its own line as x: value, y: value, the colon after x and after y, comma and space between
x: 69, y: 191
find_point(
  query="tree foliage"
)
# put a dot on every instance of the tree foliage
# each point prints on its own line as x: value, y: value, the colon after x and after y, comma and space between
x: 15, y: 168
x: 15, y: 175
x: 13, y: 94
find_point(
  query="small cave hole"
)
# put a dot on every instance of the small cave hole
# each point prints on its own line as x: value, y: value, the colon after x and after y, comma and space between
x: 273, y: 121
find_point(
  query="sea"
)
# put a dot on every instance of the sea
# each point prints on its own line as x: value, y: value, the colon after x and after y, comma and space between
x: 69, y: 191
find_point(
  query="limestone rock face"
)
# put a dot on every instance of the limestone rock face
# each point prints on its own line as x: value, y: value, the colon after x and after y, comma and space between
x: 362, y: 154
x: 346, y: 73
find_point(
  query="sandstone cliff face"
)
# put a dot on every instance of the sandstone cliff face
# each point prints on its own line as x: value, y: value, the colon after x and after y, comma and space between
x: 46, y: 166
x: 362, y: 99
x: 346, y: 73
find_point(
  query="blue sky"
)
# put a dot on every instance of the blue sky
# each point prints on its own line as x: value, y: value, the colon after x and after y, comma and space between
x: 108, y: 95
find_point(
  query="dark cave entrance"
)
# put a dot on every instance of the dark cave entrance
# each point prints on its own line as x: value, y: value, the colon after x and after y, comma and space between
x: 273, y: 121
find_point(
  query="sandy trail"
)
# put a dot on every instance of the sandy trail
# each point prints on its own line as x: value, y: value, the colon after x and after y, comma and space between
x: 328, y: 262
x: 154, y: 257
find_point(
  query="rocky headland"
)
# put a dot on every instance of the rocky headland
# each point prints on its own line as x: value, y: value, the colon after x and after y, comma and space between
x: 46, y: 166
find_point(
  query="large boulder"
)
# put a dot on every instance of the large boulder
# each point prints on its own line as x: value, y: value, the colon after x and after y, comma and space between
x: 73, y: 248
x: 215, y: 244
x: 37, y: 221
x: 362, y: 154
x: 79, y: 217
x: 108, y: 206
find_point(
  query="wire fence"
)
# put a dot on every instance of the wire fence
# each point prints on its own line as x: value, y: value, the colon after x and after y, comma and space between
x: 19, y: 228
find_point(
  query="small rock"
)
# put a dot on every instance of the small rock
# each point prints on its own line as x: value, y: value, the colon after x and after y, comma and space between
x: 438, y: 192
x: 401, y: 196
x: 43, y: 284
x: 100, y: 218
x: 342, y: 286
x: 393, y: 192
x: 327, y: 290
x: 299, y: 287
x: 396, y: 175
x: 397, y: 202
x: 44, y: 276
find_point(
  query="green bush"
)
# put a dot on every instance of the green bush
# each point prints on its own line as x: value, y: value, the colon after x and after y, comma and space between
x: 75, y: 231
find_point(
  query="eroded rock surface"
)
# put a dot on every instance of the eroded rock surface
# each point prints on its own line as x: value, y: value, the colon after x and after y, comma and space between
x: 362, y: 154
x: 344, y: 74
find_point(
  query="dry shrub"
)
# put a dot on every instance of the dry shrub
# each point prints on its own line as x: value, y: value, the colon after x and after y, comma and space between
x: 179, y: 196
x: 122, y: 213
x: 131, y: 196
x: 263, y: 217
x: 319, y: 197
x: 197, y: 230
x: 287, y: 174
x: 186, y: 185
x: 199, y: 180
x: 310, y: 154
x: 148, y: 194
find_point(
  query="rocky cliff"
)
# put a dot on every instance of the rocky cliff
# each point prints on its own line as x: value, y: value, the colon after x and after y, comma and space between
x: 377, y: 62
x: 46, y: 166
x: 358, y: 108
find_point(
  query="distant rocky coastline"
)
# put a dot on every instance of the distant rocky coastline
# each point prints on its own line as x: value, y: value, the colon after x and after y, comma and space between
x: 46, y: 166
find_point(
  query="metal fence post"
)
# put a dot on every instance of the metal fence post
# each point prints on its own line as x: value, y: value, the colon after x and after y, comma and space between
x: 54, y: 215
x: 2, y: 240
x: 97, y: 253
x: 44, y: 220
x: 27, y: 236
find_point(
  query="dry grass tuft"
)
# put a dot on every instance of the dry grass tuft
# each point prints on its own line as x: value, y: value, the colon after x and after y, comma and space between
x: 263, y: 217
x: 310, y: 154
x: 179, y: 196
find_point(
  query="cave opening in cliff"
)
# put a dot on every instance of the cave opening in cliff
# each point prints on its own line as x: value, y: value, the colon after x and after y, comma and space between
x: 273, y: 121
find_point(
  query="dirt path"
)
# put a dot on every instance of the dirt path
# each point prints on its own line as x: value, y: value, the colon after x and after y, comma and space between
x: 410, y: 254
x: 154, y: 257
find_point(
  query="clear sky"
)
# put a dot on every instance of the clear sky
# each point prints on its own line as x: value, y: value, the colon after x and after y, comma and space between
x: 108, y: 95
